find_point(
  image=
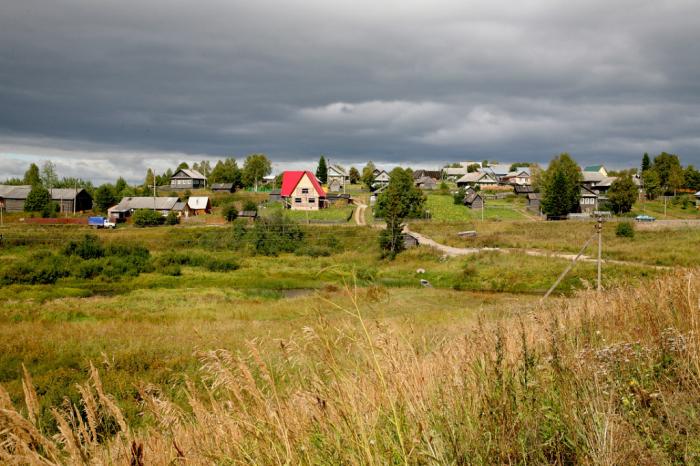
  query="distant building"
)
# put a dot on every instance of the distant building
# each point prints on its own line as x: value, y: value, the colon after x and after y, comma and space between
x: 69, y: 200
x: 337, y: 178
x: 186, y: 178
x: 477, y: 179
x: 302, y: 191
x: 381, y: 179
x: 520, y: 177
x: 454, y: 173
x: 473, y: 200
x: 199, y: 205
x: 533, y: 202
x: 697, y: 199
x: 434, y: 174
x: 128, y: 205
x: 588, y: 202
x: 222, y: 187
x: 596, y: 169
x: 426, y: 183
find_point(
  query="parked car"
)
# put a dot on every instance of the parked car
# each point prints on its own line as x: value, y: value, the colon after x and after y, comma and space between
x: 644, y: 218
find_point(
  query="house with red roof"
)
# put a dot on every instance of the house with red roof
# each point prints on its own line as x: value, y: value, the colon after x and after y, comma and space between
x: 302, y: 191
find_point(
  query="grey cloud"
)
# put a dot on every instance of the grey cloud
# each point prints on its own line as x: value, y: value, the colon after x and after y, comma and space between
x: 414, y: 81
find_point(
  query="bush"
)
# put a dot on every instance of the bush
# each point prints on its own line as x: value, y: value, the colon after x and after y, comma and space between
x: 250, y: 205
x: 147, y: 218
x: 458, y: 197
x: 313, y: 251
x: 217, y: 264
x: 273, y: 235
x: 230, y: 212
x: 40, y: 269
x: 37, y: 199
x: 625, y: 230
x: 172, y: 270
x: 89, y: 248
x: 171, y: 219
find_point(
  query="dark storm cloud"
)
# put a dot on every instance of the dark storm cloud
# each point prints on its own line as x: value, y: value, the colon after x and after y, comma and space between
x: 105, y: 85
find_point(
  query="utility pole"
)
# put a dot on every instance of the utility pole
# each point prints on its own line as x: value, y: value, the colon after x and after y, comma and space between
x: 665, y: 198
x: 75, y: 197
x: 599, y: 229
x: 482, y: 209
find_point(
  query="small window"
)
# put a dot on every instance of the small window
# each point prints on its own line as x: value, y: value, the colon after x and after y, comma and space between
x: 305, y: 190
x: 312, y: 200
x: 297, y: 200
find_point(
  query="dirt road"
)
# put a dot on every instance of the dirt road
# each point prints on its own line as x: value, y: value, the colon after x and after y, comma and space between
x: 360, y: 214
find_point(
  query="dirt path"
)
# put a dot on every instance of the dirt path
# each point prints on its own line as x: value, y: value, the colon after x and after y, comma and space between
x: 454, y: 251
x: 360, y: 215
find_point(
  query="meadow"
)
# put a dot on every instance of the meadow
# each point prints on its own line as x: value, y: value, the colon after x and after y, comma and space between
x: 230, y: 326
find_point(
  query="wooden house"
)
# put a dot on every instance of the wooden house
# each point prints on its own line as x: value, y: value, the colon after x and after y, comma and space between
x: 426, y: 183
x: 249, y: 215
x: 588, y: 202
x: 187, y: 179
x: 477, y: 179
x: 128, y: 205
x: 473, y: 200
x: 533, y: 202
x: 302, y: 191
x: 381, y: 179
x: 69, y: 200
x: 199, y: 205
x: 222, y: 187
x: 523, y: 190
x: 337, y: 178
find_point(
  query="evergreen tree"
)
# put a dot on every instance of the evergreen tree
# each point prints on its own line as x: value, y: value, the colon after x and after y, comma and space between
x: 561, y: 186
x: 646, y: 162
x: 400, y: 200
x: 38, y: 199
x: 120, y: 186
x: 622, y: 194
x: 32, y: 176
x: 322, y: 170
x: 354, y: 175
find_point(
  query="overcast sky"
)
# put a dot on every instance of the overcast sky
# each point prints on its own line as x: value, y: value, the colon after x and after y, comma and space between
x: 105, y: 88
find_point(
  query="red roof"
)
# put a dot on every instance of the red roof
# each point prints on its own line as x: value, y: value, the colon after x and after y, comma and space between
x: 291, y: 179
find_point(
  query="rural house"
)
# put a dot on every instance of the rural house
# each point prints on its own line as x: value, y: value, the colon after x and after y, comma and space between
x: 381, y: 178
x: 302, y: 191
x: 426, y: 182
x: 69, y: 200
x: 199, y: 205
x: 588, y: 202
x: 454, y: 173
x: 337, y: 178
x: 477, y: 179
x: 600, y: 169
x: 222, y: 187
x: 697, y: 199
x: 473, y: 200
x: 128, y: 205
x: 523, y: 190
x: 533, y: 202
x: 181, y: 209
x: 434, y: 174
x: 186, y: 178
x: 519, y: 177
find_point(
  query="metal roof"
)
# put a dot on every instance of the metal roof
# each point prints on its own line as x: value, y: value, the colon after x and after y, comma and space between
x: 198, y: 202
x: 189, y: 173
x: 14, y: 192
x: 134, y: 203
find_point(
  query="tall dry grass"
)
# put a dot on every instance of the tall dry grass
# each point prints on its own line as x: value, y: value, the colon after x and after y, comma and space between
x: 599, y: 379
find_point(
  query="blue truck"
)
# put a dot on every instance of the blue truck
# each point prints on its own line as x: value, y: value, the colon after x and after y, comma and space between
x: 100, y: 222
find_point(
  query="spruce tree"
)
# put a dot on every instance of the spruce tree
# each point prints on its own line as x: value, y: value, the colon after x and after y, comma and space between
x: 322, y: 170
x: 646, y: 162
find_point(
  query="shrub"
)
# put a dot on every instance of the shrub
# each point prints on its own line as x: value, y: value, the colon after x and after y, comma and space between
x: 458, y: 197
x: 217, y: 264
x: 171, y: 219
x: 230, y: 212
x: 89, y: 248
x: 172, y: 270
x: 250, y: 205
x: 43, y: 269
x: 313, y: 251
x: 50, y: 210
x: 625, y: 230
x: 37, y: 199
x: 273, y: 235
x: 147, y: 218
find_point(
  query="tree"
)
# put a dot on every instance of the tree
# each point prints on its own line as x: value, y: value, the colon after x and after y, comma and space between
x: 676, y: 178
x: 368, y: 175
x: 561, y: 186
x: 229, y: 212
x: 48, y: 174
x: 400, y: 200
x: 38, y: 199
x: 646, y: 162
x: 105, y: 197
x: 484, y: 163
x: 667, y: 165
x: 652, y: 183
x: 226, y: 171
x: 473, y: 167
x: 32, y: 176
x: 458, y: 197
x: 622, y: 194
x: 517, y: 165
x: 255, y: 167
x: 322, y: 170
x: 150, y: 179
x: 354, y: 175
x: 182, y: 166
x: 120, y: 186
x: 692, y: 178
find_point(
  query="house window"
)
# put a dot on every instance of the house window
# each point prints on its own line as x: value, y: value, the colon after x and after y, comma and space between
x: 312, y: 200
x: 297, y: 200
x: 305, y: 190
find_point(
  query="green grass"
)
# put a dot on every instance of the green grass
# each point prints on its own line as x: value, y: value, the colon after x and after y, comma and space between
x: 443, y: 208
x: 674, y: 210
x: 339, y: 213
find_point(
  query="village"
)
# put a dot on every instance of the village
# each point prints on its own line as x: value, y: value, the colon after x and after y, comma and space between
x: 190, y: 197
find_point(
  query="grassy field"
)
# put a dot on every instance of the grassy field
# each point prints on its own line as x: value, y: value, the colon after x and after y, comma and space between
x: 336, y: 213
x: 442, y: 208
x: 674, y: 209
x: 331, y: 342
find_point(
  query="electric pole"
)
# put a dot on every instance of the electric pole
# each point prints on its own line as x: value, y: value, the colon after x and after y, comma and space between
x: 599, y: 229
